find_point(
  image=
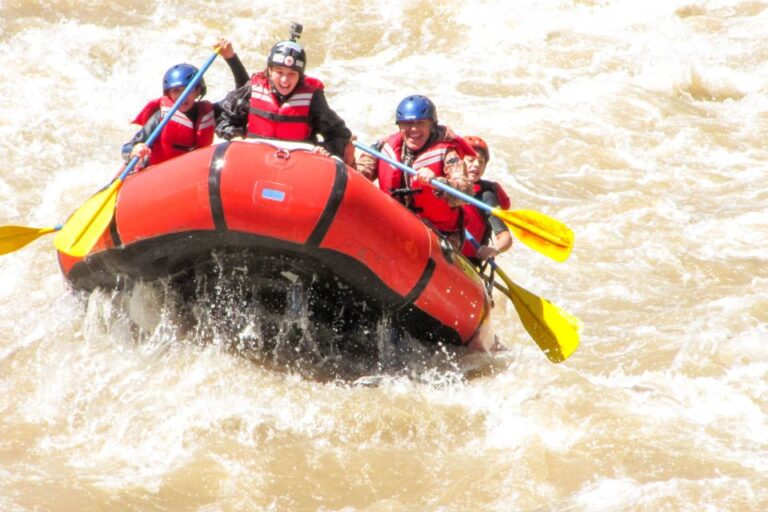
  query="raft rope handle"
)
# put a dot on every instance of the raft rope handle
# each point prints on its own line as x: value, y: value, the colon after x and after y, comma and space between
x: 283, y: 154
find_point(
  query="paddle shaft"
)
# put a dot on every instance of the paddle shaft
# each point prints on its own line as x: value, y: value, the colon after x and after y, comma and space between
x: 434, y: 183
x: 477, y: 245
x: 167, y: 117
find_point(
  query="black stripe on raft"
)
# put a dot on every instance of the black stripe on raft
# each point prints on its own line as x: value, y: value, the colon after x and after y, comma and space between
x: 331, y: 207
x: 420, y: 284
x: 116, y: 241
x: 214, y: 186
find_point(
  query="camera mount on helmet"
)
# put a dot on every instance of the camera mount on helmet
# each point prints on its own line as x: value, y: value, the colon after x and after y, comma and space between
x: 295, y: 30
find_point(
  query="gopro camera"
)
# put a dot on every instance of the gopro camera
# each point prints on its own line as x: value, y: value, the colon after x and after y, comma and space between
x: 295, y: 29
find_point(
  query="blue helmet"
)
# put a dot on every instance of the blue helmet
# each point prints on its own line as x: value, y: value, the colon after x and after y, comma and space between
x: 181, y: 75
x: 416, y: 108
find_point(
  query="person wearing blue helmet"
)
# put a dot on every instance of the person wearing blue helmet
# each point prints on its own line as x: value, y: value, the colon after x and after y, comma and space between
x: 192, y: 126
x: 434, y: 152
x: 282, y: 102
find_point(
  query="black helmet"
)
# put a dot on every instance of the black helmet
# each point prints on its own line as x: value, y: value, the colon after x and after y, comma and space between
x: 289, y: 54
x: 181, y: 75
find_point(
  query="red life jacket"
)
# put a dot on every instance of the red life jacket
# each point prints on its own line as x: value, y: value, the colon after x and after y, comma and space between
x: 180, y: 135
x: 476, y: 221
x: 425, y: 204
x: 289, y: 121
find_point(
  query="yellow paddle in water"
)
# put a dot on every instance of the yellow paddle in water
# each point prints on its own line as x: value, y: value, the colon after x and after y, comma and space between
x: 544, y: 234
x: 555, y: 331
x: 13, y: 238
x: 86, y: 225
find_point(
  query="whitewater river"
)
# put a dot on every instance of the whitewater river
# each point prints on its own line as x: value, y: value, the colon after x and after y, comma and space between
x: 642, y: 125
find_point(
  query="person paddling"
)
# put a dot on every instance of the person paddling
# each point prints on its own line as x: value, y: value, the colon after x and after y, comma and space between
x: 480, y: 224
x: 282, y: 102
x: 434, y: 152
x: 192, y: 126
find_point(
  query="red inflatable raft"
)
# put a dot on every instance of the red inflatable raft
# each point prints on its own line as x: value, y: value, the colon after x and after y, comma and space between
x: 288, y: 215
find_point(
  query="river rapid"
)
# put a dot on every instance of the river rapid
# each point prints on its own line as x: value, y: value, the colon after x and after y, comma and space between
x: 642, y: 125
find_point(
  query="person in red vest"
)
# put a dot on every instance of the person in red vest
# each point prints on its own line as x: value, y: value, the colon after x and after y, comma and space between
x: 434, y: 152
x: 480, y: 224
x: 192, y: 125
x: 283, y: 103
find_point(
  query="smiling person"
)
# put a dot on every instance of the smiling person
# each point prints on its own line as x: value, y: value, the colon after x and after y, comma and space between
x: 192, y: 126
x: 490, y: 231
x: 282, y: 102
x: 434, y: 152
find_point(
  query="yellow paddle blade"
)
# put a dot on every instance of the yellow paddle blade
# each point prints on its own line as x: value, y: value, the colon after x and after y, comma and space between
x: 15, y: 237
x: 86, y: 225
x: 544, y: 234
x: 555, y: 331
